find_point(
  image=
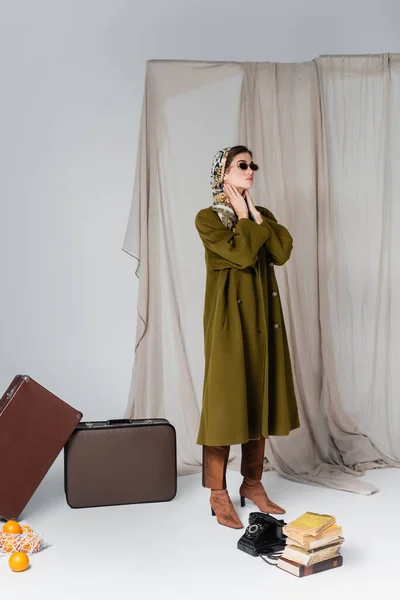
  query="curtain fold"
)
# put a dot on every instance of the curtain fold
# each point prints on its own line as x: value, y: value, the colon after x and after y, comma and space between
x: 359, y: 281
x: 325, y: 134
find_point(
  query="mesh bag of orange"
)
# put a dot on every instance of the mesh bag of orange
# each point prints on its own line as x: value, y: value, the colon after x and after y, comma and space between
x: 19, y: 538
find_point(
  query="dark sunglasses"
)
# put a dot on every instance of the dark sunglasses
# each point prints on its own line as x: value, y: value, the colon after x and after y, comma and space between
x: 244, y: 166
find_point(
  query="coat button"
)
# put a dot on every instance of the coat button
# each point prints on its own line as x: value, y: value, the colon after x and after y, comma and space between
x: 260, y: 330
x: 276, y: 326
x: 274, y: 294
x: 271, y: 264
x: 240, y: 301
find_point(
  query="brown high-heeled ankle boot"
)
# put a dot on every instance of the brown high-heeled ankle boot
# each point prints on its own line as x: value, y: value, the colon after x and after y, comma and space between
x: 254, y: 491
x: 222, y: 507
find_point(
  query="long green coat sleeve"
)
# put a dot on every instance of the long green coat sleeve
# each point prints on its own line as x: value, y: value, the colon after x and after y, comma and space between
x: 237, y: 248
x: 279, y: 243
x: 240, y: 248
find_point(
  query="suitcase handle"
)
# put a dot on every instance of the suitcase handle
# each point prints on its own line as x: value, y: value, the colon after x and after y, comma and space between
x: 119, y: 421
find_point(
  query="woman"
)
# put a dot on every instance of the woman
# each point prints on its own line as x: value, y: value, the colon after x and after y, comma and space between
x: 248, y: 389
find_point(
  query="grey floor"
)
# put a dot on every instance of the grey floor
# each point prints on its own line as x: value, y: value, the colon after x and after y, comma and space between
x: 177, y: 550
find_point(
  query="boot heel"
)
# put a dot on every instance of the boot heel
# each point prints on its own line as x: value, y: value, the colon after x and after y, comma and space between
x: 212, y: 512
x: 242, y: 501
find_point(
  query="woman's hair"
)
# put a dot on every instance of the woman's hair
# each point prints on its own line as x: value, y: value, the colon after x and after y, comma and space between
x: 234, y: 151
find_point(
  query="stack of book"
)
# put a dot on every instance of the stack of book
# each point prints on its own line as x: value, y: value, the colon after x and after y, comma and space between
x: 313, y: 545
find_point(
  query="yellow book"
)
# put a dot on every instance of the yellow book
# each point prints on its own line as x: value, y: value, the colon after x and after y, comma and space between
x: 311, y: 523
x: 313, y: 541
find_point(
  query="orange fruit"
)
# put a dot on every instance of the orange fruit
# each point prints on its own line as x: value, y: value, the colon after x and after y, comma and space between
x: 26, y: 528
x: 12, y: 527
x: 10, y: 543
x: 18, y: 562
x: 29, y: 543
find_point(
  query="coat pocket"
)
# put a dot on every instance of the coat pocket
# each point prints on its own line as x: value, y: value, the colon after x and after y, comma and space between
x: 224, y: 302
x: 223, y: 319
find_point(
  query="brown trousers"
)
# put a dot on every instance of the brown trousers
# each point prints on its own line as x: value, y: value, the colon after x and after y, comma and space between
x: 215, y: 460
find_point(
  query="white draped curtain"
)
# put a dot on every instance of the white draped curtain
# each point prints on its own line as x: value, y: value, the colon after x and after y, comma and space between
x: 359, y: 215
x: 325, y: 134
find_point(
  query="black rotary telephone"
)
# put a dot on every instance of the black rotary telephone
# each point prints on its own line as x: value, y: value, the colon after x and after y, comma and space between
x: 263, y: 535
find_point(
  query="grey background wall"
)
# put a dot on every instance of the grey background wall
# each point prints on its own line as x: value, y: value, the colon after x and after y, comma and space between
x: 72, y: 75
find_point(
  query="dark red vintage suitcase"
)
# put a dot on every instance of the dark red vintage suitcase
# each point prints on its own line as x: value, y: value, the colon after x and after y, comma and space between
x: 124, y: 461
x: 34, y: 427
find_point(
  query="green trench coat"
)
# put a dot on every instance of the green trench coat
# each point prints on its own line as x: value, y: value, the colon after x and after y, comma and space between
x: 248, y: 386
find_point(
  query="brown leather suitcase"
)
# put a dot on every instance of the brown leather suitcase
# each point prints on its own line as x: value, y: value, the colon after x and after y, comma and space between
x: 123, y: 461
x: 34, y: 426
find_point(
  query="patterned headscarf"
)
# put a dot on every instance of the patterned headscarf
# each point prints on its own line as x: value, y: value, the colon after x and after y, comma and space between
x: 221, y: 203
